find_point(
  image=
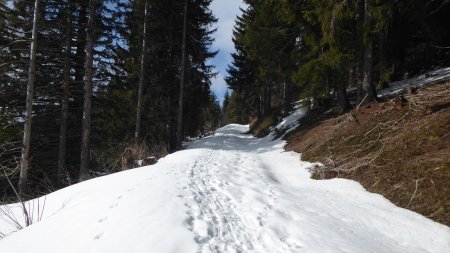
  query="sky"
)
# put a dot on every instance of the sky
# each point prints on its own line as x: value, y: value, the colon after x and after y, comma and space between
x: 226, y: 11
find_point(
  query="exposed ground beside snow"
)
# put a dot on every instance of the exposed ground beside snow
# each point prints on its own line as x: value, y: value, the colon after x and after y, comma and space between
x: 226, y: 193
x: 398, y: 148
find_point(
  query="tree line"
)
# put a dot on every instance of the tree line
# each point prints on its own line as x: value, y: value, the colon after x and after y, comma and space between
x: 330, y: 52
x: 82, y: 80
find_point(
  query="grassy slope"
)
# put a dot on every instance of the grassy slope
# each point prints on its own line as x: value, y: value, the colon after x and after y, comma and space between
x: 399, y: 148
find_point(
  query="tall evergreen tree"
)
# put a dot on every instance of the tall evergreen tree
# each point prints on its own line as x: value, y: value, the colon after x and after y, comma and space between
x: 137, y: 134
x: 88, y: 86
x: 161, y: 99
x: 182, y: 77
x: 368, y: 84
x: 65, y: 96
x: 242, y: 72
x: 25, y: 160
x: 262, y: 64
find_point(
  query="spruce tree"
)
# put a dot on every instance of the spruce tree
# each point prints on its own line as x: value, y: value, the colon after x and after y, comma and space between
x: 25, y: 160
x: 182, y: 78
x: 137, y: 134
x: 62, y: 167
x: 88, y: 89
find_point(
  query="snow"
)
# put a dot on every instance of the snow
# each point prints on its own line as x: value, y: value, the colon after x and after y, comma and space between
x: 289, y: 123
x: 431, y: 77
x: 229, y: 192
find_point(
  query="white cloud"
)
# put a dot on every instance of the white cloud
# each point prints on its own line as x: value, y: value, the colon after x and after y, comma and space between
x: 219, y: 86
x: 223, y: 37
x: 226, y: 11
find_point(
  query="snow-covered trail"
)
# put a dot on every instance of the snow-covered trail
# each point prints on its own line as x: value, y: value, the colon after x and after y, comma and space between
x: 226, y: 193
x: 250, y: 196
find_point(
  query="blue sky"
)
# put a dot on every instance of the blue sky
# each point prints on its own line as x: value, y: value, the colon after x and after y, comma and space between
x: 226, y: 11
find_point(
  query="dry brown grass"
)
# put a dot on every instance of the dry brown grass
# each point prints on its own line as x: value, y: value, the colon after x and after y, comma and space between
x: 142, y: 155
x: 261, y: 127
x: 399, y: 148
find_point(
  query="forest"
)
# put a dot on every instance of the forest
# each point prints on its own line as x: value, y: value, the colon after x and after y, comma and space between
x: 330, y: 53
x: 268, y: 126
x: 85, y: 85
x: 101, y: 79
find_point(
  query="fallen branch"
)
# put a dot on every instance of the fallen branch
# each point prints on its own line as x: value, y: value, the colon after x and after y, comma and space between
x: 362, y: 101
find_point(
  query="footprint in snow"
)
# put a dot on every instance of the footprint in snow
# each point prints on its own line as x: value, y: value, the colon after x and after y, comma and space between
x: 114, y: 206
x: 190, y: 221
x: 97, y: 237
x: 102, y: 220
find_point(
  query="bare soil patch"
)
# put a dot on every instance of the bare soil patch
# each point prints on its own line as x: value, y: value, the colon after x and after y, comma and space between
x: 398, y: 148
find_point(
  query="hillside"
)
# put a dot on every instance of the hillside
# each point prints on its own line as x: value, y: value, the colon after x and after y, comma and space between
x: 398, y: 148
x: 229, y: 192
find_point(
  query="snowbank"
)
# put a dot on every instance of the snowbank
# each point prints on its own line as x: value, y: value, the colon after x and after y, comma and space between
x: 225, y: 193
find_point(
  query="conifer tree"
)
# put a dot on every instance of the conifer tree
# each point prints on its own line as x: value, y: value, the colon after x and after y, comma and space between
x: 65, y: 96
x: 137, y: 134
x: 161, y: 97
x: 182, y: 77
x: 368, y: 84
x: 25, y: 160
x: 88, y: 86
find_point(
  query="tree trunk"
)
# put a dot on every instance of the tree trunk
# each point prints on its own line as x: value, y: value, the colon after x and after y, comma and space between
x: 342, y: 96
x: 81, y: 46
x: 382, y: 68
x: 267, y: 100
x: 287, y: 97
x: 169, y: 132
x: 76, y: 88
x: 87, y: 105
x: 368, y: 85
x: 182, y: 77
x: 25, y: 160
x: 360, y: 55
x: 137, y: 133
x: 65, y: 96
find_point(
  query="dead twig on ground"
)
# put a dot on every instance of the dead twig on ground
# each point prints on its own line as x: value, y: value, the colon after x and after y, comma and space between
x: 27, y: 209
x: 414, y: 194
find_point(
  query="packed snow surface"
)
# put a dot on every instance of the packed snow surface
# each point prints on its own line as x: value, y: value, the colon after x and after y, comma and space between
x: 226, y: 193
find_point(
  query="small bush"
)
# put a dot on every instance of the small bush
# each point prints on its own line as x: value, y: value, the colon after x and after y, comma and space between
x: 142, y: 155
